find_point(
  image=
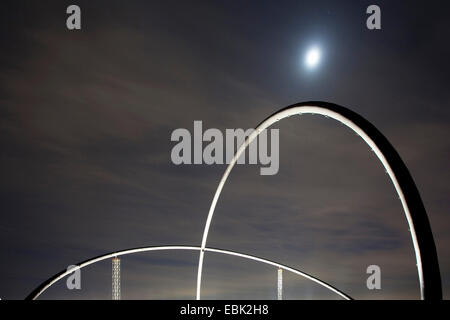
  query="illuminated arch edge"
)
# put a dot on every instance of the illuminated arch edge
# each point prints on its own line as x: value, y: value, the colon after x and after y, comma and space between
x: 48, y: 283
x: 419, y: 226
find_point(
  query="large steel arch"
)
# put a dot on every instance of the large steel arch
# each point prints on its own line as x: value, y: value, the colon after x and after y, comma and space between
x: 51, y: 281
x: 419, y: 226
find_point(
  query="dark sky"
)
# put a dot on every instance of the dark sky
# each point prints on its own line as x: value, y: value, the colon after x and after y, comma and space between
x: 86, y: 119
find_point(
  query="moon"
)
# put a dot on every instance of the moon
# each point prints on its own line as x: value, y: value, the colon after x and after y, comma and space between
x: 312, y: 57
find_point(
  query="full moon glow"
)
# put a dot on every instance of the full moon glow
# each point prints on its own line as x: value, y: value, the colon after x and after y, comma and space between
x: 312, y: 57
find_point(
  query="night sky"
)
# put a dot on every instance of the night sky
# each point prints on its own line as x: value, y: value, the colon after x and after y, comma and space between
x: 85, y: 124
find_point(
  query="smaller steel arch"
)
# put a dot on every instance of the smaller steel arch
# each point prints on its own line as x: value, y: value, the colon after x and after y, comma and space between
x: 49, y: 282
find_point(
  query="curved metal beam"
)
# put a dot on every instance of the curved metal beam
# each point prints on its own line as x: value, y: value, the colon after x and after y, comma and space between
x: 282, y: 266
x: 48, y: 283
x: 419, y: 226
